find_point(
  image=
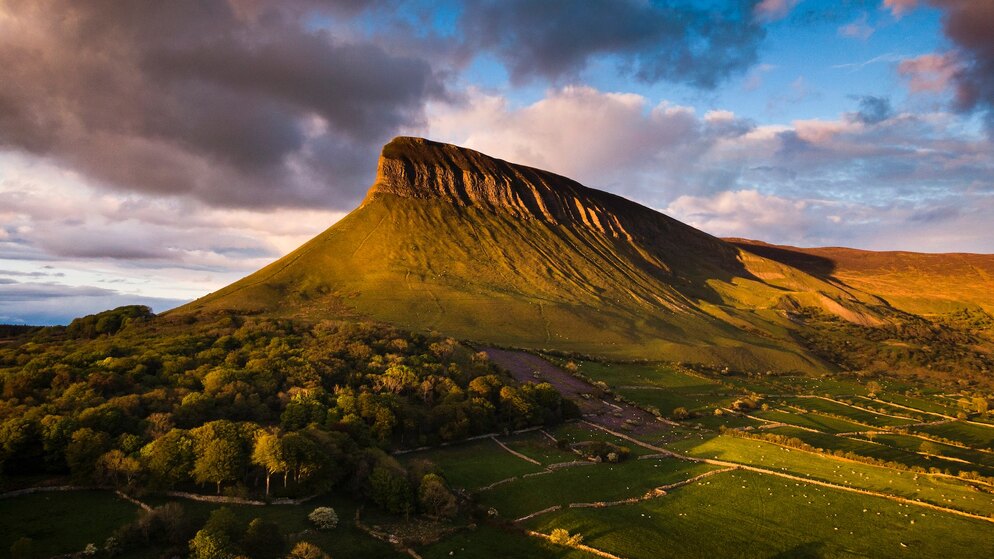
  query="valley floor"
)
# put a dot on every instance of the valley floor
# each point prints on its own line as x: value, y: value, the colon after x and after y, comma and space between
x: 753, y: 467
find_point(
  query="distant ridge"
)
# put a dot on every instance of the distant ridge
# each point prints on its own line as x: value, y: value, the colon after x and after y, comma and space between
x: 918, y: 282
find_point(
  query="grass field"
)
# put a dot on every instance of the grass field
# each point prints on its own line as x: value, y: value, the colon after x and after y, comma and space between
x: 63, y: 521
x: 537, y: 446
x: 940, y: 491
x: 984, y: 461
x: 475, y: 464
x: 660, y: 375
x: 857, y: 415
x: 586, y: 484
x: 811, y: 420
x: 746, y: 515
x: 971, y: 435
x: 486, y: 542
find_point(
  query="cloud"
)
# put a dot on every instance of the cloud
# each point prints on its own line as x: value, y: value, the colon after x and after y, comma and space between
x: 871, y: 159
x: 968, y: 24
x: 933, y: 73
x: 238, y: 104
x: 45, y: 303
x: 900, y: 7
x: 933, y: 226
x: 968, y: 69
x: 742, y: 212
x: 858, y: 29
x: 557, y: 39
x: 773, y: 10
x: 873, y: 110
x: 633, y: 139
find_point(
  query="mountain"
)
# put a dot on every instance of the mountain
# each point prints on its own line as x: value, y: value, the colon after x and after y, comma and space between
x: 914, y: 282
x: 452, y: 240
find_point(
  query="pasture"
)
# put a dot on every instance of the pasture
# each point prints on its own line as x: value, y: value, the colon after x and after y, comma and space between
x: 748, y: 515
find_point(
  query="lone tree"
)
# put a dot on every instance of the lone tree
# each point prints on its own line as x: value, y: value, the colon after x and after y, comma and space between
x: 221, y: 461
x: 268, y: 453
x: 435, y: 498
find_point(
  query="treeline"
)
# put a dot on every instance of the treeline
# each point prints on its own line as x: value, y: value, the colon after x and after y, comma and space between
x: 248, y: 404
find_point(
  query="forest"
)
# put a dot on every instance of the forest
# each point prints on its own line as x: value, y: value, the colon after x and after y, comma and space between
x: 250, y: 407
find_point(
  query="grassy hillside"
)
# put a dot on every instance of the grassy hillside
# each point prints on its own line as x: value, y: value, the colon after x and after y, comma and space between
x: 451, y: 240
x: 919, y: 283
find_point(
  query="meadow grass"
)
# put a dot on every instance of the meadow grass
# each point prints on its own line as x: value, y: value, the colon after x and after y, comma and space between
x: 836, y: 408
x: 937, y: 490
x: 660, y: 375
x: 475, y: 464
x: 749, y: 515
x: 586, y: 484
x: 977, y: 436
x: 345, y: 540
x: 537, y: 446
x: 982, y: 460
x: 63, y: 521
x: 862, y: 447
x: 486, y: 542
x: 933, y: 404
x: 812, y: 420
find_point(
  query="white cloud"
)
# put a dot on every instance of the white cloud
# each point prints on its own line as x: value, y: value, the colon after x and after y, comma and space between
x: 858, y: 29
x: 817, y: 181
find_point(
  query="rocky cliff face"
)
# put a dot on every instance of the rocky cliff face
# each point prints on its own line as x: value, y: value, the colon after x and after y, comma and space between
x: 419, y: 168
x: 422, y: 169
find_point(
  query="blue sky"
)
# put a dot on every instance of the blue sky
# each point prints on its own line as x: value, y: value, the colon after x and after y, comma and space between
x: 154, y: 152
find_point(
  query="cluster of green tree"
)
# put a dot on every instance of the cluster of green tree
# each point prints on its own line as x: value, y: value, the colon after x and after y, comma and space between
x: 128, y: 399
x: 952, y: 351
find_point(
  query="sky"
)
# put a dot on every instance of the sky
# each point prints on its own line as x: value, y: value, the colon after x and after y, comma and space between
x: 152, y: 152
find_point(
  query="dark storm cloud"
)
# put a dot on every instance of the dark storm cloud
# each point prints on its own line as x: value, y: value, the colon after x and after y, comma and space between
x: 229, y: 102
x: 969, y: 24
x: 873, y: 110
x: 697, y: 45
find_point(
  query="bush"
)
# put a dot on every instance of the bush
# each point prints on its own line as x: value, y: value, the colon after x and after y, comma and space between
x: 680, y: 413
x: 325, y: 518
x: 561, y: 536
x: 307, y: 550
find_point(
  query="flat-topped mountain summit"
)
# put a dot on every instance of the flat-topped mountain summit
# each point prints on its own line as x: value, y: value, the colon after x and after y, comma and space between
x: 452, y: 240
x: 419, y: 168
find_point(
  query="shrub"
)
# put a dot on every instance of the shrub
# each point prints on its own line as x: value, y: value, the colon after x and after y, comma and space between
x: 307, y: 550
x: 325, y: 518
x: 561, y: 536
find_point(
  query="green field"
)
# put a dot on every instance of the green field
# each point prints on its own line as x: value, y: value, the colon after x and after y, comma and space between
x: 982, y: 461
x: 486, y: 541
x: 475, y: 464
x: 62, y: 521
x: 811, y: 420
x: 858, y: 415
x: 587, y: 484
x: 747, y: 515
x: 537, y: 446
x: 660, y: 375
x: 940, y: 491
x: 976, y: 436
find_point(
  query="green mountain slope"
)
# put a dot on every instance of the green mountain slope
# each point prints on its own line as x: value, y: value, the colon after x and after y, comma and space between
x: 474, y: 247
x: 920, y: 283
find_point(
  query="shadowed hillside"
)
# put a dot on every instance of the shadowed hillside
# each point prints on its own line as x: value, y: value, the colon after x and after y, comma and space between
x: 475, y: 247
x: 911, y: 281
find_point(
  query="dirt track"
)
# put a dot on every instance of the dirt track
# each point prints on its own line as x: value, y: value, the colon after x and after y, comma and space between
x: 606, y: 412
